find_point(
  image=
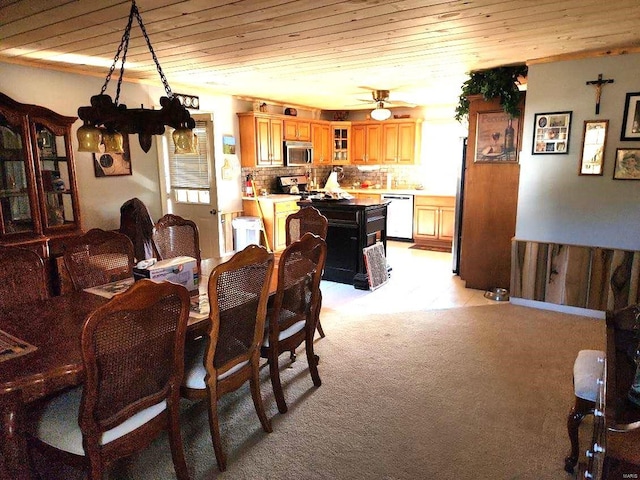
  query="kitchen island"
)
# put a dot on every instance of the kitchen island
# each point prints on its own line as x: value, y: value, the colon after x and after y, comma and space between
x: 353, y: 225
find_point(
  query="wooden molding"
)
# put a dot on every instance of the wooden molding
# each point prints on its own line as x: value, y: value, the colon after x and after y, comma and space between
x: 610, y: 52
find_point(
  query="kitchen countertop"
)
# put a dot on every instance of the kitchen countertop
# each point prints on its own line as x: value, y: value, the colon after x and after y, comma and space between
x: 399, y: 191
x: 283, y: 197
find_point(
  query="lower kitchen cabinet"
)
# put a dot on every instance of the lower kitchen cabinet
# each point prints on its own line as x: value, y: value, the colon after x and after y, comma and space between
x: 275, y: 212
x: 433, y: 221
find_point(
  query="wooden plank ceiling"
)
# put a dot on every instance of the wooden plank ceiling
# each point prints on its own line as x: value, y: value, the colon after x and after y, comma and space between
x: 329, y: 54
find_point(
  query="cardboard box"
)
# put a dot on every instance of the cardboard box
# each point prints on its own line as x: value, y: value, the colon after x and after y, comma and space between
x: 180, y: 270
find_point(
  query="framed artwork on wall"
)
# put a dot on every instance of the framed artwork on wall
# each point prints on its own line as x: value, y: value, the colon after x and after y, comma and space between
x: 228, y: 144
x: 113, y: 164
x: 594, y: 142
x: 627, y: 165
x: 631, y: 118
x: 497, y: 137
x: 551, y: 133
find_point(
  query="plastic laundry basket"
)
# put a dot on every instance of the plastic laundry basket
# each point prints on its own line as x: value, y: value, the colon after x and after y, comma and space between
x: 246, y: 231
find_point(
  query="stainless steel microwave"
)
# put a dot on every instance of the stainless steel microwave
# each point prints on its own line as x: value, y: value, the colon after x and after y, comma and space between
x: 298, y: 153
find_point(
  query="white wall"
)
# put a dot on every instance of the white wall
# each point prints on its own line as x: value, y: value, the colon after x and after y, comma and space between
x: 101, y: 198
x: 555, y: 204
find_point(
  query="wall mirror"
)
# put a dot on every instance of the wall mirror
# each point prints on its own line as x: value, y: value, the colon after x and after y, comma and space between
x: 594, y: 142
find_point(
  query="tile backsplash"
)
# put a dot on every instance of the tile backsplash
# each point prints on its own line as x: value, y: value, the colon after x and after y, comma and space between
x: 401, y: 176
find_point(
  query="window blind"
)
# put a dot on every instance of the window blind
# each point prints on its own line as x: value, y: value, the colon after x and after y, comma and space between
x: 190, y: 170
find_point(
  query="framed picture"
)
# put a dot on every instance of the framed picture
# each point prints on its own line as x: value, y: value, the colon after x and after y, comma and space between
x: 594, y: 142
x: 497, y: 137
x: 113, y: 164
x: 627, y: 165
x: 631, y: 119
x: 228, y: 145
x: 551, y: 133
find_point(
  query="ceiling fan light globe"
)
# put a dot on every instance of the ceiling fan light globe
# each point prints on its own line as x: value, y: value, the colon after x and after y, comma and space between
x: 380, y: 114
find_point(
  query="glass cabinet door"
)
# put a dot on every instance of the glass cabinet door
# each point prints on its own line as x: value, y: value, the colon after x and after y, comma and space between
x: 57, y: 202
x: 16, y: 179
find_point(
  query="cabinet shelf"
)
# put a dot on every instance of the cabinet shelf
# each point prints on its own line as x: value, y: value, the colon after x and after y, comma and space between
x: 35, y: 153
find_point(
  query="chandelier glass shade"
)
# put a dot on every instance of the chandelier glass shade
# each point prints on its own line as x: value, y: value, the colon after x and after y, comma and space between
x: 106, y: 121
x: 380, y: 113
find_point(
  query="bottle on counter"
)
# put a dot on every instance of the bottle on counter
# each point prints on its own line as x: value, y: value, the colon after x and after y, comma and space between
x: 248, y: 189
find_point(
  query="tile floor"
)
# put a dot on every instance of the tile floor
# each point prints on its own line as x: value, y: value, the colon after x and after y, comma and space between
x: 420, y: 280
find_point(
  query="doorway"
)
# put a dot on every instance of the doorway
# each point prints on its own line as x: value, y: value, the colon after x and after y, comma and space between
x: 189, y: 185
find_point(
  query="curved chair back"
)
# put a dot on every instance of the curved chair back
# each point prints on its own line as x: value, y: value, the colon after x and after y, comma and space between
x: 22, y: 277
x: 174, y: 236
x: 307, y: 219
x: 98, y: 257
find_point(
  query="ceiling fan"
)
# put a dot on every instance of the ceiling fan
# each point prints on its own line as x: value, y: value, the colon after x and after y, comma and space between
x: 380, y: 98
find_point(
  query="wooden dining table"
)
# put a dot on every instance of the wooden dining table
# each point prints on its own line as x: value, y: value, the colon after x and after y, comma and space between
x: 54, y: 327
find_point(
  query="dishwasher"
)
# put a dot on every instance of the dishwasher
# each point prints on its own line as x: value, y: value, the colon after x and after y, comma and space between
x: 399, y: 216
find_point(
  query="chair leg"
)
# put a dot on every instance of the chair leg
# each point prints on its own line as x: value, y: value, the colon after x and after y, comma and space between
x: 274, y: 373
x: 214, y: 427
x: 318, y: 324
x: 579, y: 410
x: 254, y: 384
x: 312, y: 358
x: 177, y: 447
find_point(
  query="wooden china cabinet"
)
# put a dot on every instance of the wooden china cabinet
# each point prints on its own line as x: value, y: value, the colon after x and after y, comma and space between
x: 38, y: 190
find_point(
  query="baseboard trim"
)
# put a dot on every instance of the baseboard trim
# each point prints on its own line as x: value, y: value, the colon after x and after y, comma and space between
x: 585, y: 312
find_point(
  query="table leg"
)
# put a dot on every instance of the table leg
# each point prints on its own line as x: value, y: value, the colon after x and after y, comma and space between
x: 13, y: 444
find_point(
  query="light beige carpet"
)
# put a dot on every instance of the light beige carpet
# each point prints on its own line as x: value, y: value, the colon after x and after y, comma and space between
x: 467, y: 393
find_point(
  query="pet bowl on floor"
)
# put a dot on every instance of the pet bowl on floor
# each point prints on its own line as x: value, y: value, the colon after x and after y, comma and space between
x: 497, y: 294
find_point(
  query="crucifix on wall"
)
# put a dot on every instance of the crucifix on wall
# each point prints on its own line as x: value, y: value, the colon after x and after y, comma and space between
x: 599, y: 83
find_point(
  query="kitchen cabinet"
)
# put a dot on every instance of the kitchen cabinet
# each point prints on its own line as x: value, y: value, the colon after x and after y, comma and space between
x: 401, y: 141
x: 433, y: 221
x: 38, y: 188
x: 275, y: 210
x: 322, y: 143
x: 341, y: 138
x: 370, y: 197
x: 297, y: 130
x: 261, y: 137
x: 366, y: 143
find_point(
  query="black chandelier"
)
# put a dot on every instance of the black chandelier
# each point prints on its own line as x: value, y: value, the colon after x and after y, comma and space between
x: 105, y: 121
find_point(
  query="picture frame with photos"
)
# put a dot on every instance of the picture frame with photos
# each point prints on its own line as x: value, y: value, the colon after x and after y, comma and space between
x: 551, y: 133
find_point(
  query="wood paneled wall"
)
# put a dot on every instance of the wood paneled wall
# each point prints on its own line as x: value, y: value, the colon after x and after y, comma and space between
x: 587, y: 277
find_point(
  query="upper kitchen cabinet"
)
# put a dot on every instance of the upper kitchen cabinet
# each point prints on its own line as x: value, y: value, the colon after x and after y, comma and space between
x: 401, y: 141
x: 297, y: 130
x: 38, y: 190
x: 261, y: 137
x: 366, y: 143
x: 322, y: 143
x: 341, y: 138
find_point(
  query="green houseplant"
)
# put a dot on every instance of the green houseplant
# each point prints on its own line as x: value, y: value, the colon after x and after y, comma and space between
x: 500, y: 82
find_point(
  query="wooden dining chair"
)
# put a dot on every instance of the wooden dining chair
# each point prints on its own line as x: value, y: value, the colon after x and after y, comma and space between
x: 98, y: 257
x: 22, y: 277
x: 291, y: 320
x: 174, y: 236
x: 307, y: 219
x: 229, y: 356
x: 133, y: 355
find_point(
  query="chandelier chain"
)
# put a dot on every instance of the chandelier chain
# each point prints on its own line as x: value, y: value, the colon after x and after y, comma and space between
x: 167, y: 88
x: 124, y: 42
